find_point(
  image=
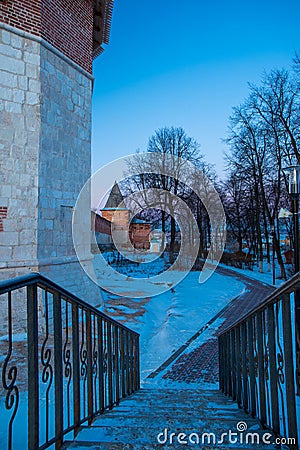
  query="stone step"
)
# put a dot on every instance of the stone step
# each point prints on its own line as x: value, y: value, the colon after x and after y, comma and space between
x: 168, y: 415
x: 121, y: 446
x: 147, y: 419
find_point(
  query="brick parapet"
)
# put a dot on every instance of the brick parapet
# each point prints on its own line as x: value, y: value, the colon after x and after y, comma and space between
x: 65, y: 24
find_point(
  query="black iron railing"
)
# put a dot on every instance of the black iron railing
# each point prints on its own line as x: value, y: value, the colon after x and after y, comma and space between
x: 69, y: 364
x: 258, y: 364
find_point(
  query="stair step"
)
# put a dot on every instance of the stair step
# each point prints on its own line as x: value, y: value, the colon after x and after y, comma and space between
x: 167, y: 416
x: 139, y: 419
x: 121, y: 446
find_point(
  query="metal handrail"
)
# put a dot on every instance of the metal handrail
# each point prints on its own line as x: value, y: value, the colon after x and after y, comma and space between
x: 36, y: 277
x: 79, y: 362
x: 259, y: 362
x: 288, y: 287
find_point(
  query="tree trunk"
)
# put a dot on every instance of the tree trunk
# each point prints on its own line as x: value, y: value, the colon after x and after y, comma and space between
x: 163, y: 229
x: 279, y: 257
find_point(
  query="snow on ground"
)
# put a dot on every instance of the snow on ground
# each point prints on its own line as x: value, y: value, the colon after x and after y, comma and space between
x: 264, y: 277
x: 168, y: 320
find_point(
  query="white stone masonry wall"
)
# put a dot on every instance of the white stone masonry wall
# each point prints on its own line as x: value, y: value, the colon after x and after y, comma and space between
x: 45, y: 116
x: 19, y: 143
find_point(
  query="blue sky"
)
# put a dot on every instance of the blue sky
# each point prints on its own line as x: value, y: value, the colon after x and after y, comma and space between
x: 175, y: 63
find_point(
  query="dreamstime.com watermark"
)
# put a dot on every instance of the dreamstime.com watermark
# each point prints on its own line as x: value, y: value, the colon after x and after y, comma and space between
x: 153, y: 169
x: 238, y: 437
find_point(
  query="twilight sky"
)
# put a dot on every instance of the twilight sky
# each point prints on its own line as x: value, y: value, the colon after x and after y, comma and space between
x: 184, y: 63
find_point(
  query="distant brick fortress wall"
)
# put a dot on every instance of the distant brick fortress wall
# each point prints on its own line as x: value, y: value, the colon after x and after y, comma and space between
x: 65, y: 24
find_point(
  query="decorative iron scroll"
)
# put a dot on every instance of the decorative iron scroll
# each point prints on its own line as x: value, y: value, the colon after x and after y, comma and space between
x: 95, y: 360
x: 68, y: 352
x: 9, y: 377
x: 83, y: 360
x: 46, y: 355
x: 67, y: 362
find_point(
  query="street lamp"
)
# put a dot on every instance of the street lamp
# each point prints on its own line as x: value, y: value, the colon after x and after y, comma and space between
x: 273, y: 255
x: 294, y: 191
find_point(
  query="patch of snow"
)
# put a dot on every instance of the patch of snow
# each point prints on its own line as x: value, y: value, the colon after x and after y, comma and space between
x: 15, y: 337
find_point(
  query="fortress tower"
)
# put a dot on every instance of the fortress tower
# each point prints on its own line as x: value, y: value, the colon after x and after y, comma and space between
x: 46, y: 53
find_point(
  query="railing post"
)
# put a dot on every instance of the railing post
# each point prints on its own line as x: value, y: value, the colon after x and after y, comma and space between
x: 227, y: 368
x: 131, y: 363
x: 261, y: 367
x: 58, y: 371
x: 238, y: 366
x: 137, y: 363
x: 226, y: 371
x: 100, y: 361
x: 250, y: 323
x: 233, y: 364
x: 117, y: 364
x: 109, y: 366
x: 244, y: 365
x: 122, y: 363
x: 89, y: 366
x: 273, y: 369
x: 290, y: 391
x: 220, y: 363
x: 127, y: 362
x: 230, y: 363
x: 76, y: 373
x: 297, y: 336
x: 33, y: 368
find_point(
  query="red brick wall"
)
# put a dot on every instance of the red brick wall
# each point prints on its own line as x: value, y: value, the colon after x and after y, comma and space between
x: 22, y: 14
x: 100, y: 224
x: 66, y: 24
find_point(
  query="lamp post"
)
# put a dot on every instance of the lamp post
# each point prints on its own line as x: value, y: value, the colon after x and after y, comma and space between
x: 294, y: 191
x: 273, y: 255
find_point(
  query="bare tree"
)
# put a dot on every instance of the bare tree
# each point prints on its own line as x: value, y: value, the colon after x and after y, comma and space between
x: 167, y: 141
x: 264, y: 137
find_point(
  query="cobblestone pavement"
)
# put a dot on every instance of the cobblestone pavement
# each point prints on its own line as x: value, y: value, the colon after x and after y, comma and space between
x: 201, y: 363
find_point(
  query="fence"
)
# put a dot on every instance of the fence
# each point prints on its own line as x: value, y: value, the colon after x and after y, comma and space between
x: 70, y: 364
x: 259, y: 362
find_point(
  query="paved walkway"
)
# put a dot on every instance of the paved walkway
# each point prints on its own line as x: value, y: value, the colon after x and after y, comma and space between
x: 201, y: 363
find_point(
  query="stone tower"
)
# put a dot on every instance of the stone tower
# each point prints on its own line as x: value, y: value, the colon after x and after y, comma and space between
x: 46, y: 53
x: 116, y: 212
x: 115, y: 209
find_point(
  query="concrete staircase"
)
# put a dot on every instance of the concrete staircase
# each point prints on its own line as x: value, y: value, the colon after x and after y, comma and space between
x: 149, y: 414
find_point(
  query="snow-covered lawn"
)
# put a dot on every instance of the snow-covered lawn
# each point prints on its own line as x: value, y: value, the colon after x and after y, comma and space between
x: 167, y: 321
